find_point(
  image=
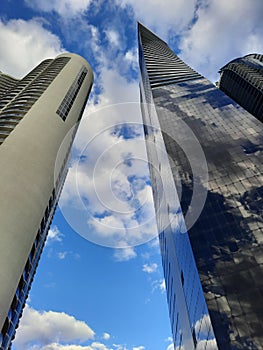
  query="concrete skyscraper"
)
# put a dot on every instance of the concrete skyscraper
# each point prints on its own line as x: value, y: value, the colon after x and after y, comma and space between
x: 36, y: 114
x: 205, y: 159
x: 242, y: 80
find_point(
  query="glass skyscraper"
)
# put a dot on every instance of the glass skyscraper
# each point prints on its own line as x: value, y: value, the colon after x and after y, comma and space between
x: 39, y: 116
x: 205, y: 159
x: 242, y: 80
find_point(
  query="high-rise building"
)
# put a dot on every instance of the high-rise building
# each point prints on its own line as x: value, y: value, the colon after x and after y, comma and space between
x: 38, y: 114
x: 242, y: 80
x: 205, y: 159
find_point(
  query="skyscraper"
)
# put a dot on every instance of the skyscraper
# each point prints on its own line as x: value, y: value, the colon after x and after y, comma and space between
x: 36, y: 114
x: 205, y: 160
x: 242, y: 80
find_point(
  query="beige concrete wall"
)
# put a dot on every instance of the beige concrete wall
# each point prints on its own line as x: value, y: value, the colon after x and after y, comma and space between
x: 27, y: 159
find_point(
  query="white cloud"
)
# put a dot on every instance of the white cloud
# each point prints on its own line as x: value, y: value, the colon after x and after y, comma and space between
x: 106, y: 154
x: 54, y: 235
x: 65, y: 8
x: 123, y: 347
x: 32, y: 42
x: 169, y: 339
x: 207, y: 33
x: 159, y: 285
x: 131, y: 57
x: 125, y: 254
x: 170, y: 347
x: 154, y: 243
x: 106, y: 336
x: 162, y: 285
x: 150, y: 268
x: 108, y: 183
x: 98, y: 346
x: 223, y: 30
x: 62, y: 255
x: 113, y: 37
x: 92, y: 346
x: 51, y: 330
x: 50, y: 327
x: 32, y: 37
x: 57, y: 346
x: 175, y: 15
x: 119, y: 347
x: 116, y: 89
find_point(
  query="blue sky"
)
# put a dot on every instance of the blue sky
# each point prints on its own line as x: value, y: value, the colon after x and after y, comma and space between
x: 99, y: 284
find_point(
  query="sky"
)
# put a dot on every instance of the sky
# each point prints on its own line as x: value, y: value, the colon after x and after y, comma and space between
x: 99, y: 284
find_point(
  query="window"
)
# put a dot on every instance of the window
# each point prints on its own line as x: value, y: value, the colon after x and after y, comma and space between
x: 27, y: 91
x: 71, y: 95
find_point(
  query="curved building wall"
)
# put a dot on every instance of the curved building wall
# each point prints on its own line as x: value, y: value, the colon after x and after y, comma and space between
x: 242, y: 80
x: 6, y: 83
x: 28, y: 187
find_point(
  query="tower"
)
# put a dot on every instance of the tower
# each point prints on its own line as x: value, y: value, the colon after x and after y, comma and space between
x: 242, y: 80
x: 205, y: 161
x: 38, y: 114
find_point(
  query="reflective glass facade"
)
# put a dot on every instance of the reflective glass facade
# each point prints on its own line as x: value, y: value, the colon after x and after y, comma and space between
x: 242, y: 80
x: 205, y: 159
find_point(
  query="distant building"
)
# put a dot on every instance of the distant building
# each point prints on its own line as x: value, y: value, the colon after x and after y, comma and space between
x: 214, y: 272
x: 36, y: 113
x: 242, y: 80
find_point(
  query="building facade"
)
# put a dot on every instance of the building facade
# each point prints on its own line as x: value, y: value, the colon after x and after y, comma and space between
x: 36, y: 114
x: 242, y: 80
x: 205, y: 160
